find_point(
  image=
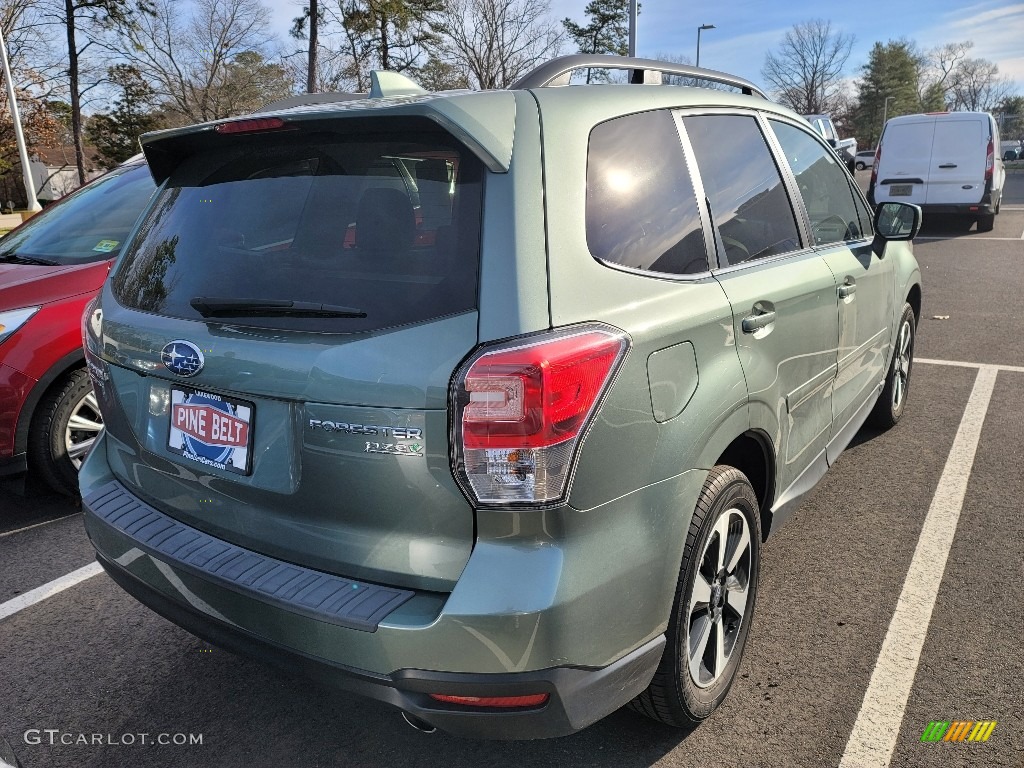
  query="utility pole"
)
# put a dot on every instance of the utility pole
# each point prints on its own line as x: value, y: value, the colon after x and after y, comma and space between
x: 19, y: 137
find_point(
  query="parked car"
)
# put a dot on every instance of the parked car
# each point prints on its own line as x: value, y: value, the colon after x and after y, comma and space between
x: 472, y: 403
x: 945, y: 162
x: 865, y: 159
x: 1011, y: 154
x: 50, y: 267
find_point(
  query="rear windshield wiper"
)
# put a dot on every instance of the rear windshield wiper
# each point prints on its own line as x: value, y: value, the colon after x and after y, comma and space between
x: 210, y: 306
x: 12, y: 258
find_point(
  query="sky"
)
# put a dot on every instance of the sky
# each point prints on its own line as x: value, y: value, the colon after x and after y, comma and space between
x: 745, y: 31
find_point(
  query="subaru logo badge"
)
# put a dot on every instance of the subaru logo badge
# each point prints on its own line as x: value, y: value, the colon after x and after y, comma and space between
x: 182, y: 357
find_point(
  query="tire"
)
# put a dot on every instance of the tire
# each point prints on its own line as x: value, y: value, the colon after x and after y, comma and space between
x: 893, y: 399
x: 689, y: 685
x: 63, y: 430
x: 986, y: 223
x: 860, y: 166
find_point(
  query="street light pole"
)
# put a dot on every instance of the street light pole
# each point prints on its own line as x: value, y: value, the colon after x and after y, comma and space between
x: 19, y: 137
x: 700, y: 29
x: 885, y: 109
x: 632, y: 27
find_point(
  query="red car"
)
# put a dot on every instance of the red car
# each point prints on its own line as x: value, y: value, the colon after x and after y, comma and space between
x: 50, y: 267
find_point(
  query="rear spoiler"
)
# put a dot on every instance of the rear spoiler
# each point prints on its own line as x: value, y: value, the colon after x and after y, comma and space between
x: 483, y: 122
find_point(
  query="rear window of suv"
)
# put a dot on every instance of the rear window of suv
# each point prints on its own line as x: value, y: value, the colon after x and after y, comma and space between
x: 332, y: 232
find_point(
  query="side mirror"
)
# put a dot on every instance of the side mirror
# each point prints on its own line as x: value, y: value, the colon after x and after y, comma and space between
x: 832, y: 142
x: 895, y: 221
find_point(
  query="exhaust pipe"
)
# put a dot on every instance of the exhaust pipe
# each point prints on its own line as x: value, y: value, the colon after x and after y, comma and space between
x: 419, y: 725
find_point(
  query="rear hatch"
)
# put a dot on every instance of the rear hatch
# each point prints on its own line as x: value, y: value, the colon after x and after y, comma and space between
x: 957, y: 169
x: 281, y: 335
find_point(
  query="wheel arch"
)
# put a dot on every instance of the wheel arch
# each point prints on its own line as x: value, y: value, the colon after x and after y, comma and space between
x: 54, y: 377
x: 914, y: 300
x: 752, y: 454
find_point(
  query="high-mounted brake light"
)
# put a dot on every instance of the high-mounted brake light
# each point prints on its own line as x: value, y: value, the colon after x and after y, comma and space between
x: 531, y: 700
x: 522, y: 407
x: 251, y: 125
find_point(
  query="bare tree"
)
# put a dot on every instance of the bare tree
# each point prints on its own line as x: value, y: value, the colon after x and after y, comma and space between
x: 495, y: 42
x: 194, y: 62
x: 81, y: 20
x: 975, y: 85
x: 34, y: 61
x: 936, y: 72
x: 807, y: 71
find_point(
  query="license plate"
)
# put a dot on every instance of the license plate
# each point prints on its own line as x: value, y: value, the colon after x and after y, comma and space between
x: 901, y: 190
x: 211, y: 429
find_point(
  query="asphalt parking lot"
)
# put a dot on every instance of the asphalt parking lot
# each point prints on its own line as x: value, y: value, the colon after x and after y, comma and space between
x: 891, y: 600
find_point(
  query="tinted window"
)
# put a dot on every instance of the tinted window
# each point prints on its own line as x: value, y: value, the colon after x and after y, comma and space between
x: 748, y: 203
x: 824, y: 186
x: 641, y: 207
x: 387, y: 226
x: 89, y: 225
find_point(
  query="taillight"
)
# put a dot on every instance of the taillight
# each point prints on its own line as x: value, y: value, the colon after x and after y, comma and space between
x: 522, y: 407
x: 990, y: 160
x: 251, y: 125
x: 874, y: 167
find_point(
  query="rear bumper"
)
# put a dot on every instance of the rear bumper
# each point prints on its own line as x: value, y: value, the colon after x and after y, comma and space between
x: 985, y: 207
x: 975, y: 209
x: 523, y: 619
x: 578, y: 697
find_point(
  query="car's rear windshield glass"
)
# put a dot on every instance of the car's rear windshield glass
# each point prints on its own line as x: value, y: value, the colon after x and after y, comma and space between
x: 89, y: 225
x: 331, y: 231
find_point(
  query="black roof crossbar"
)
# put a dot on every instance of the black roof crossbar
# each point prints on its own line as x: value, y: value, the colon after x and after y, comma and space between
x: 557, y: 71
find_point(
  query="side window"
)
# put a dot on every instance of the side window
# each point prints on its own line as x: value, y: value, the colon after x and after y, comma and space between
x: 641, y: 208
x: 748, y: 202
x: 824, y: 186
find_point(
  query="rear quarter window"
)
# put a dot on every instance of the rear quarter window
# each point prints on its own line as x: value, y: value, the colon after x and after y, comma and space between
x: 385, y: 225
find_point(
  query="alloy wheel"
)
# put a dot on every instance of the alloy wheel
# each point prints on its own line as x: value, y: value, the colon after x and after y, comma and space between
x: 84, y: 425
x: 901, y: 369
x: 718, y: 600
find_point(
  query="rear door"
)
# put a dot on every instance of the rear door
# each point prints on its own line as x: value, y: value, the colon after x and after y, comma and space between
x: 957, y: 167
x: 783, y: 295
x: 905, y: 163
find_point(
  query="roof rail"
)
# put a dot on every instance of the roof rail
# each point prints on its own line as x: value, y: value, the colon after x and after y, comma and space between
x: 642, y: 71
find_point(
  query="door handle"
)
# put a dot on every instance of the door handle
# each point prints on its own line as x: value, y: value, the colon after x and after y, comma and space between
x: 948, y: 165
x: 847, y: 289
x: 754, y: 323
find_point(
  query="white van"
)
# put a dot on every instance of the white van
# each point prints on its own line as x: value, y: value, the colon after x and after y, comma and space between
x: 945, y: 162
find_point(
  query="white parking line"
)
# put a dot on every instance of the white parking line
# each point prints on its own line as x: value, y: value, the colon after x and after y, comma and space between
x: 37, y: 525
x: 960, y: 364
x: 878, y: 723
x: 37, y: 595
x: 969, y: 239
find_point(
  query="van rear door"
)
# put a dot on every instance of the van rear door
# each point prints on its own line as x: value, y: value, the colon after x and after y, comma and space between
x: 957, y: 167
x: 904, y: 166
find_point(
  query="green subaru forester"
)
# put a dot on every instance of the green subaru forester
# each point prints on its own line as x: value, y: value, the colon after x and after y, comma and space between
x: 482, y: 404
